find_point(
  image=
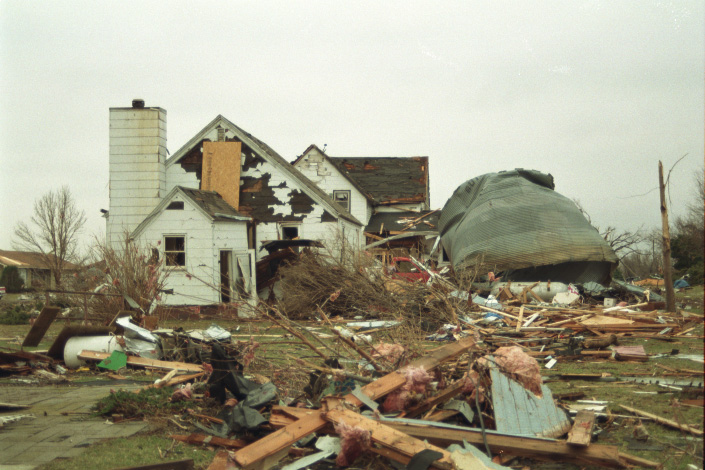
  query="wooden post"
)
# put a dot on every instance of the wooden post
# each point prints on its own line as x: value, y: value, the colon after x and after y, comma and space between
x: 666, y: 245
x: 85, y: 309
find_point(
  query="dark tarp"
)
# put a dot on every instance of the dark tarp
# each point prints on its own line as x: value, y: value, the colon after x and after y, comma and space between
x: 514, y: 221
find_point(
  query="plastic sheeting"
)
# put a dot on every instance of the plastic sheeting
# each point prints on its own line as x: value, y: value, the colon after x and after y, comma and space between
x: 514, y: 221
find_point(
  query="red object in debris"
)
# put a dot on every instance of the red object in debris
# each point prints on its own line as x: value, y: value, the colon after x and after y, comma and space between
x: 408, y: 270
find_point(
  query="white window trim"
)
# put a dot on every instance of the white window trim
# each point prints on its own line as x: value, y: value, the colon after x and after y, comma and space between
x: 174, y: 235
x: 348, y: 193
x: 282, y: 225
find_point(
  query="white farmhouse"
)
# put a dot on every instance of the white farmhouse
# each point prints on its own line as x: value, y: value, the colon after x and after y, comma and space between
x: 390, y: 195
x: 211, y: 205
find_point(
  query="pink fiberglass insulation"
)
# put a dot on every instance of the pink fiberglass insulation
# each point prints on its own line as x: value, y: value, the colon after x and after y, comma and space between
x: 472, y: 386
x: 518, y: 365
x: 391, y: 352
x: 417, y: 380
x: 354, y: 441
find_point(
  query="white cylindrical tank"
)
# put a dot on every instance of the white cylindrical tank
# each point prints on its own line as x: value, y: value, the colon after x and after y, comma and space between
x: 75, y: 345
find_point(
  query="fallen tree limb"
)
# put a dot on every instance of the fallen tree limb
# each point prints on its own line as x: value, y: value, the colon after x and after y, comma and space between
x: 664, y: 421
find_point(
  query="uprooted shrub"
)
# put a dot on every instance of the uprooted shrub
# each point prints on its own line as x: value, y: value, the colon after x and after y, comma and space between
x: 358, y: 287
x: 136, y: 271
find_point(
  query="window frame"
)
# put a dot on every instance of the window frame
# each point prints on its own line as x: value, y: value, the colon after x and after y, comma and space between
x: 345, y: 192
x: 168, y: 253
x: 285, y: 225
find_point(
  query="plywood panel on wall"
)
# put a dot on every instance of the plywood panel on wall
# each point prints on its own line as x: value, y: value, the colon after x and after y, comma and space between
x: 221, y: 170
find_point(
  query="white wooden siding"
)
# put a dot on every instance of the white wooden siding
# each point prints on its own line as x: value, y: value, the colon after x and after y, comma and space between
x: 137, y: 175
x: 198, y: 282
x: 329, y: 179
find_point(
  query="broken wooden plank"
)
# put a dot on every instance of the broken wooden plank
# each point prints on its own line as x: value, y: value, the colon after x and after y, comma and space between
x: 269, y: 445
x: 389, y: 437
x: 40, y: 326
x: 581, y: 433
x: 142, y: 362
x: 57, y: 348
x: 396, y: 379
x: 176, y: 380
x: 596, y: 454
x: 441, y: 397
x: 278, y: 441
x: 638, y: 461
x: 664, y: 421
x: 221, y: 461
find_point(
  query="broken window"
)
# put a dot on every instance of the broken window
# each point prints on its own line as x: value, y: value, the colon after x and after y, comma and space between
x: 175, y: 206
x: 175, y: 251
x: 342, y: 198
x: 290, y: 232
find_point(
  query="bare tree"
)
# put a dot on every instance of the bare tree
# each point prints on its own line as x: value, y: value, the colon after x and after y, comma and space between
x: 53, y: 230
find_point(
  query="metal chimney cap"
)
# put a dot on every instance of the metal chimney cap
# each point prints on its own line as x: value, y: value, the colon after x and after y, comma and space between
x: 138, y: 103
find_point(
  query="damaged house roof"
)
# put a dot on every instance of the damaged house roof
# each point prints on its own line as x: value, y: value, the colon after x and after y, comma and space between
x: 189, y: 156
x: 383, y: 180
x: 388, y: 180
x: 514, y: 221
x: 210, y: 203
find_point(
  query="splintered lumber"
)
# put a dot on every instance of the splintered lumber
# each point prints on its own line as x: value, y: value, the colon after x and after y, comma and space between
x: 142, y: 361
x: 440, y: 397
x: 396, y: 379
x: 638, y: 461
x: 220, y: 461
x: 581, y: 433
x: 498, y: 312
x: 278, y: 441
x: 210, y: 440
x: 664, y: 421
x: 272, y: 444
x: 40, y: 326
x: 542, y: 448
x: 403, y: 447
x: 176, y: 380
x: 520, y: 320
x: 359, y: 350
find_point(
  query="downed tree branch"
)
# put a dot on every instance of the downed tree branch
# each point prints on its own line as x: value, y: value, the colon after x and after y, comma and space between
x: 664, y: 421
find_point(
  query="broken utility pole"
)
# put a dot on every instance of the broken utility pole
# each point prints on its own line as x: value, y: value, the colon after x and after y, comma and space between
x: 666, y: 245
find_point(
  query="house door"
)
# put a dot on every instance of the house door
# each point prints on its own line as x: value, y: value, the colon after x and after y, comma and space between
x: 226, y: 266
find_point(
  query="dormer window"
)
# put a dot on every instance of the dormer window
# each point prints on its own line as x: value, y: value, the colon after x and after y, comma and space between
x: 342, y: 198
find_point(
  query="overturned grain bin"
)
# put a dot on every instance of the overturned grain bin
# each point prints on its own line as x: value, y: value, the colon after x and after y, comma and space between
x: 514, y: 222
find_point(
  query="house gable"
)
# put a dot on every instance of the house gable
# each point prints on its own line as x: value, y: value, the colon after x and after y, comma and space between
x: 317, y: 167
x: 271, y: 190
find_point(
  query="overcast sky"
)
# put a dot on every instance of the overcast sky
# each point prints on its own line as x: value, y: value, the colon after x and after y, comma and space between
x: 593, y: 92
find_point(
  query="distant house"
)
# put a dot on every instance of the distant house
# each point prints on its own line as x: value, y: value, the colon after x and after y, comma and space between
x: 390, y: 195
x: 212, y: 205
x: 33, y: 269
